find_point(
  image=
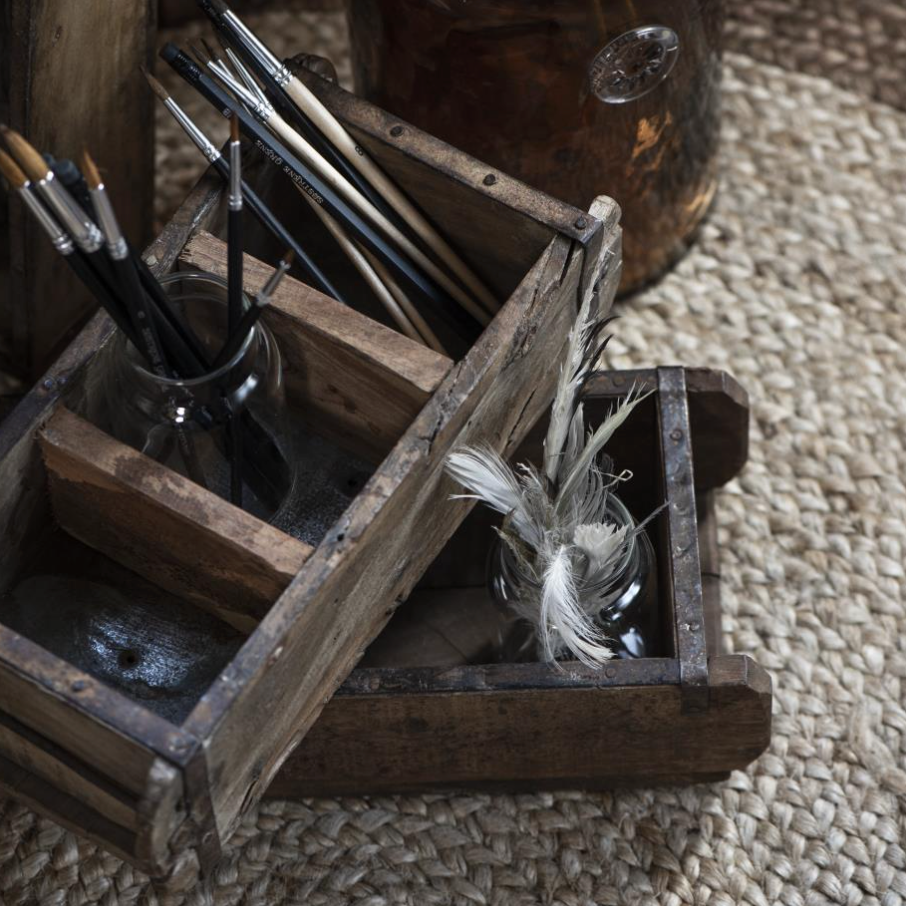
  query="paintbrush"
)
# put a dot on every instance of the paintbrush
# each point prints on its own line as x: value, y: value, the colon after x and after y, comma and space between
x: 277, y: 75
x: 265, y: 113
x: 77, y: 224
x: 396, y: 303
x: 404, y: 314
x: 281, y: 157
x: 251, y: 199
x: 234, y: 292
x: 64, y: 244
x: 131, y: 294
x: 181, y: 344
x: 70, y: 215
x: 253, y: 313
x: 234, y: 231
x: 303, y: 125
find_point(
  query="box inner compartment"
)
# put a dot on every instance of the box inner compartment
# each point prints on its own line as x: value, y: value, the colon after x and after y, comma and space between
x: 424, y: 631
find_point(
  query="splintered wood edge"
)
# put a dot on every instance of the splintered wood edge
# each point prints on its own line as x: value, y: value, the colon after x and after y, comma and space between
x: 75, y: 450
x: 386, y: 349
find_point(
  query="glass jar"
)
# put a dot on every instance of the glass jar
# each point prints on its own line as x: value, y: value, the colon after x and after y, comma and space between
x: 575, y: 97
x: 624, y: 604
x: 196, y: 426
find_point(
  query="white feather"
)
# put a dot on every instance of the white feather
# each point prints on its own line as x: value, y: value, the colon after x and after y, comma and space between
x: 594, y: 444
x: 483, y: 472
x: 601, y: 544
x: 562, y: 618
x: 571, y: 373
x: 563, y: 544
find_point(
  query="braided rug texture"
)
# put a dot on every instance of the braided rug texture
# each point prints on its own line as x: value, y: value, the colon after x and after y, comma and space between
x: 860, y: 44
x: 797, y: 287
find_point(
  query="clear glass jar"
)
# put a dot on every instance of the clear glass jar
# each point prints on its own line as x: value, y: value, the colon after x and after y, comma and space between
x: 192, y: 426
x: 625, y: 604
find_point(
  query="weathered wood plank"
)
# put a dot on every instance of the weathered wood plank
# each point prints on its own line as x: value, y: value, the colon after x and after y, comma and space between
x: 56, y: 767
x: 81, y: 715
x: 710, y: 560
x: 500, y: 225
x: 354, y: 380
x: 146, y: 847
x: 163, y: 526
x: 438, y: 739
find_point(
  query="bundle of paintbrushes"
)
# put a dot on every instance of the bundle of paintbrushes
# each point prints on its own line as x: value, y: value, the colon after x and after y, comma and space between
x: 74, y: 209
x: 411, y: 269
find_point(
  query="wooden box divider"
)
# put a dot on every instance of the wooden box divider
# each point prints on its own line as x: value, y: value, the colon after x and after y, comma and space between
x: 163, y: 526
x: 362, y: 383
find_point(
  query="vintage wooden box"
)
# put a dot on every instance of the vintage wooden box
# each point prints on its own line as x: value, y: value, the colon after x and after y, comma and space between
x: 689, y: 714
x: 161, y: 652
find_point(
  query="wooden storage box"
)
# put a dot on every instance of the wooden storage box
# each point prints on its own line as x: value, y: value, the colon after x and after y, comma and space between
x: 161, y: 652
x: 689, y: 714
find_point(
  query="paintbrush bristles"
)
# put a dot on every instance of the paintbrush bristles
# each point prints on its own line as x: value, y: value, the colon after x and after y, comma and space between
x: 200, y: 55
x: 12, y: 172
x: 27, y: 156
x: 92, y: 175
x: 212, y: 54
x: 156, y: 86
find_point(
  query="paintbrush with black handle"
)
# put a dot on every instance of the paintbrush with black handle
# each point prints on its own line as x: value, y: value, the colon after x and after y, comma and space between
x: 185, y: 351
x: 65, y: 245
x: 251, y: 199
x: 131, y: 293
x: 317, y: 188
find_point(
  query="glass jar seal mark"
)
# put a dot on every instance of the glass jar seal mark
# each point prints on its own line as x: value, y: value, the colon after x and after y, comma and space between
x: 634, y: 63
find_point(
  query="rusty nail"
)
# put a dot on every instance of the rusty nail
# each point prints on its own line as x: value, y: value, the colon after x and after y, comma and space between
x: 490, y: 179
x: 618, y: 381
x: 580, y: 223
x: 396, y: 131
x: 610, y: 673
x: 676, y: 434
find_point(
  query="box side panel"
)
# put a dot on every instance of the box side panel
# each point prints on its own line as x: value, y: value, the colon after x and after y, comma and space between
x: 583, y: 734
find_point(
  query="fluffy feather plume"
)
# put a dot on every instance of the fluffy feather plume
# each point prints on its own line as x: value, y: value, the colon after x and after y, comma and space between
x: 601, y: 544
x: 555, y: 521
x: 563, y: 622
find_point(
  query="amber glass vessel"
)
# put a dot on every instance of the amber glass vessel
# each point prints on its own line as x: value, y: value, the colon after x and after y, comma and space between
x: 575, y: 97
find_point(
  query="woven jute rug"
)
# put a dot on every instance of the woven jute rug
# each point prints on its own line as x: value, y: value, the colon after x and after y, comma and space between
x: 797, y: 287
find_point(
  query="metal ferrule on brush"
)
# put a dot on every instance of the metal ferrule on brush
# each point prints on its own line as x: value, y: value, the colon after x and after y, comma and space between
x: 269, y: 288
x: 203, y: 143
x: 235, y: 176
x: 278, y: 71
x: 245, y: 75
x: 259, y: 107
x: 116, y: 242
x: 57, y: 235
x: 74, y: 220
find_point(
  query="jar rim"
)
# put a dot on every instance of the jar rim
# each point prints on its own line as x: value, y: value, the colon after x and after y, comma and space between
x: 210, y: 376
